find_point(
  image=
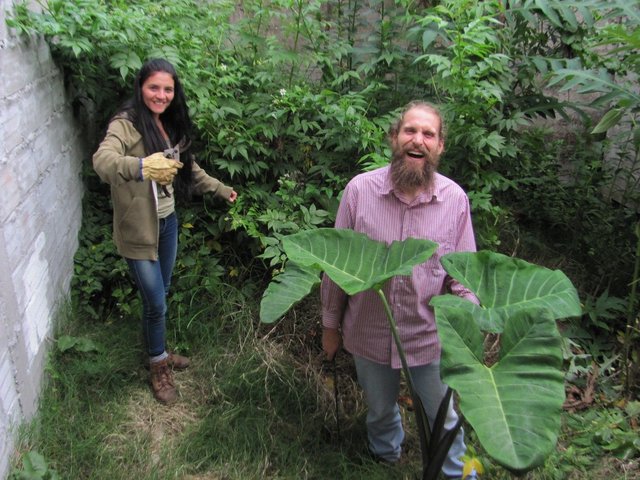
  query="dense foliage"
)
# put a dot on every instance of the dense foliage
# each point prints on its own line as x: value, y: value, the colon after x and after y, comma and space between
x: 291, y: 98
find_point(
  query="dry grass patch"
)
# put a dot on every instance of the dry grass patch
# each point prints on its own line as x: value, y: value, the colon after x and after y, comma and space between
x: 145, y: 441
x: 610, y: 468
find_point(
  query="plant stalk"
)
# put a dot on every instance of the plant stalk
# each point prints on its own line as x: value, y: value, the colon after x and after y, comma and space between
x: 421, y: 417
x: 632, y: 318
x: 298, y: 16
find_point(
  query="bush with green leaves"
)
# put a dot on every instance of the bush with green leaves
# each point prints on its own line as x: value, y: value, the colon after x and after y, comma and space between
x: 564, y: 176
x: 304, y: 89
x: 488, y: 63
x: 101, y: 287
x: 290, y: 99
x: 287, y: 142
x: 613, y: 430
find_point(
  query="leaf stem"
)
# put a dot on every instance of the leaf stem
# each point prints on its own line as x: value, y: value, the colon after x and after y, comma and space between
x: 396, y: 335
x: 422, y: 420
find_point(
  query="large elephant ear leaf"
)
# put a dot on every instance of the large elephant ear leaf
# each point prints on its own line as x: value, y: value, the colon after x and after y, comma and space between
x: 513, y: 406
x: 504, y: 285
x: 287, y: 289
x: 354, y: 261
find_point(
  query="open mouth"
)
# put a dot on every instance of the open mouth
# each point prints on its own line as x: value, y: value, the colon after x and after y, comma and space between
x: 415, y: 154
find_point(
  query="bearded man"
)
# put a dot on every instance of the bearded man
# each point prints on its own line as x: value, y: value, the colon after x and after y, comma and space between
x: 406, y: 199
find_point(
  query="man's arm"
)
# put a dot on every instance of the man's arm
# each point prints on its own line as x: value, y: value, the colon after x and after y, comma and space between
x: 465, y: 242
x: 334, y: 299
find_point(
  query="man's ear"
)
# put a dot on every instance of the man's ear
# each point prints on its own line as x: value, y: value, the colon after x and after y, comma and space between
x: 393, y: 139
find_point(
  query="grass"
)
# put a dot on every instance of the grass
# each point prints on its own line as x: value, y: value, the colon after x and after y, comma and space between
x: 257, y: 403
x: 247, y: 409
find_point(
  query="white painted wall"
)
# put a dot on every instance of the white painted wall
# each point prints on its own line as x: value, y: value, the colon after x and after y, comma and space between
x: 41, y: 152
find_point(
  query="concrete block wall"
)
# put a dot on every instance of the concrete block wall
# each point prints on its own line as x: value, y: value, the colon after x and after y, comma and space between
x: 41, y: 154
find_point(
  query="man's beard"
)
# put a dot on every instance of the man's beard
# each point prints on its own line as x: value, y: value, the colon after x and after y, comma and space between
x: 406, y: 177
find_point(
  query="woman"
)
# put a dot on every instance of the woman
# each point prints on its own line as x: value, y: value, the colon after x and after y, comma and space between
x: 143, y: 157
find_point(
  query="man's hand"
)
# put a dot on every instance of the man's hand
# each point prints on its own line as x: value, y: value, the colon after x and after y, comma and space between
x: 331, y: 342
x: 160, y: 169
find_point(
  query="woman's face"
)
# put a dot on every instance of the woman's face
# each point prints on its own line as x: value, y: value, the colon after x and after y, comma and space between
x: 158, y: 92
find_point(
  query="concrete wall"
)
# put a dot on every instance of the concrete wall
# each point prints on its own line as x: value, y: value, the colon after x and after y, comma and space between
x: 41, y: 154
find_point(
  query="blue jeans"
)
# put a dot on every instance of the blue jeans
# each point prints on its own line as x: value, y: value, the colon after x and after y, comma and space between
x: 381, y: 386
x: 153, y: 279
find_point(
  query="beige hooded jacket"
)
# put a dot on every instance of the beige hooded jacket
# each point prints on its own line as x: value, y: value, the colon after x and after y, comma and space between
x: 135, y: 218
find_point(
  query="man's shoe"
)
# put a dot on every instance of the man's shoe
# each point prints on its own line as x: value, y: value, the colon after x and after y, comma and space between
x: 164, y: 389
x: 178, y: 362
x: 175, y: 361
x: 378, y: 459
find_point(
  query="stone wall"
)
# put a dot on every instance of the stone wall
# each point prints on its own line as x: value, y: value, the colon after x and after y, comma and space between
x: 41, y: 153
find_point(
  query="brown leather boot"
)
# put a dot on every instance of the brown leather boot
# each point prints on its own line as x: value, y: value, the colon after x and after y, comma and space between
x: 175, y: 361
x: 178, y: 362
x: 164, y: 389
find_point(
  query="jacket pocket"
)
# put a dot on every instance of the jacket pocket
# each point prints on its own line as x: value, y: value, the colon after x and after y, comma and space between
x: 136, y: 225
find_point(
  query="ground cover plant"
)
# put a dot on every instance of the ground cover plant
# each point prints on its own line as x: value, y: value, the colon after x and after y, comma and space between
x: 291, y: 99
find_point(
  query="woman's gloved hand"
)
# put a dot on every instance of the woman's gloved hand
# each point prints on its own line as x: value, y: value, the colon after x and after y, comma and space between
x: 159, y: 169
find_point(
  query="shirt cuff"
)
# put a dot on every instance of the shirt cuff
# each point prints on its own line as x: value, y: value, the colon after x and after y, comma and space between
x: 331, y: 321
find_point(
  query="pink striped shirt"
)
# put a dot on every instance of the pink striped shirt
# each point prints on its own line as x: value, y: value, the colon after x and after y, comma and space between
x: 371, y: 206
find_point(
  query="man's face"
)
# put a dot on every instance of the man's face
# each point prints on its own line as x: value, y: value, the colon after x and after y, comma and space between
x: 416, y: 149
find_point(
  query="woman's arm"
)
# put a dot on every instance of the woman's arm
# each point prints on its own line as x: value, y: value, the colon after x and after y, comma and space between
x: 204, y: 183
x: 117, y: 159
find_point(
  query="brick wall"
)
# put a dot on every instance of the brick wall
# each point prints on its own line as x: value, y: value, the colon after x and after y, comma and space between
x: 41, y: 152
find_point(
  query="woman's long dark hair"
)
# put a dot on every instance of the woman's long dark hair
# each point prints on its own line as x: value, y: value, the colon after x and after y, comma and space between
x: 175, y: 120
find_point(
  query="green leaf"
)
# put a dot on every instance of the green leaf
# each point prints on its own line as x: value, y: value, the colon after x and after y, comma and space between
x: 65, y: 342
x: 540, y: 63
x: 189, y: 261
x: 633, y: 409
x: 505, y: 285
x: 118, y: 59
x: 85, y: 345
x: 80, y: 344
x: 513, y: 406
x: 133, y: 61
x: 611, y: 118
x: 34, y: 465
x: 428, y: 37
x: 586, y: 15
x: 569, y: 17
x: 354, y: 261
x: 592, y: 81
x: 549, y: 12
x: 285, y: 290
